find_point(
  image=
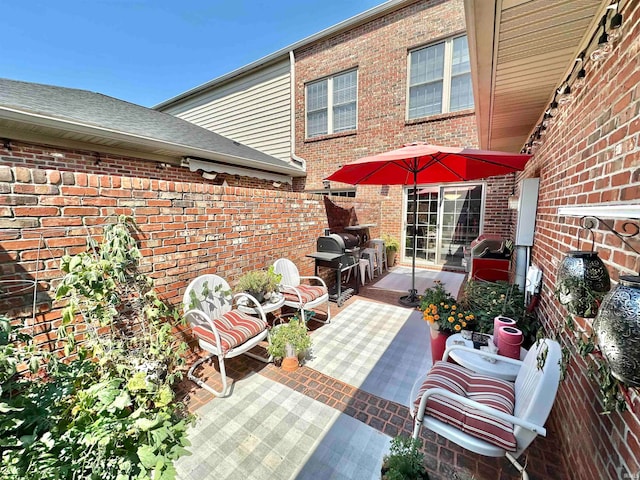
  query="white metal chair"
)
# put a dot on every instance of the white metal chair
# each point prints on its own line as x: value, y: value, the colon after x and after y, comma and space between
x: 220, y: 329
x: 300, y: 295
x: 380, y: 247
x: 486, y: 415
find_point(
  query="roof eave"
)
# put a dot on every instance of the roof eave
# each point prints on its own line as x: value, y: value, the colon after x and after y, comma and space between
x: 179, y: 149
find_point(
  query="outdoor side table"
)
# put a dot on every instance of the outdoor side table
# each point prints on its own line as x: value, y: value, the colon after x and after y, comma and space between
x: 476, y: 361
x: 267, y: 307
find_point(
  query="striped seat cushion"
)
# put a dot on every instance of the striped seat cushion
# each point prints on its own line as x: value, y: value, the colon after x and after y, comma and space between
x: 495, y: 393
x: 234, y: 328
x: 308, y: 293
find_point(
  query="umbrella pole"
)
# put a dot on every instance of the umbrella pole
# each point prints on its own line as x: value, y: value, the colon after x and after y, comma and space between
x: 412, y: 300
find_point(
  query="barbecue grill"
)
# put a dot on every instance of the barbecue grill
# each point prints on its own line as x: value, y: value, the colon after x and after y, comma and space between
x: 339, y: 252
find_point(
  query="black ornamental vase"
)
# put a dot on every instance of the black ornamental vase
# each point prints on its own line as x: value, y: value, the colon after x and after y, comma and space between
x: 618, y: 329
x: 583, y: 280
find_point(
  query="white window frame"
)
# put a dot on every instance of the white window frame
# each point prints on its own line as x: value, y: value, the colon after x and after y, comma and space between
x: 446, y: 80
x: 330, y: 104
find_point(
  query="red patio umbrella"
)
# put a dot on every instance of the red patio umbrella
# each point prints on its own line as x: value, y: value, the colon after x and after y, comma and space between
x: 423, y: 163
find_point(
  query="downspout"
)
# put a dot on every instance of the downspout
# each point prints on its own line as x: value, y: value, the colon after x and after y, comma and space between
x: 292, y: 95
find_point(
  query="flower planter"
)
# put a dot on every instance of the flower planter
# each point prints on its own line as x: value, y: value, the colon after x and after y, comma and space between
x: 438, y: 344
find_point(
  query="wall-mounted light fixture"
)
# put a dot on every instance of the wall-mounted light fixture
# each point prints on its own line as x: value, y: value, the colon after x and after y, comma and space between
x: 209, y: 176
x: 326, y: 184
x: 276, y: 184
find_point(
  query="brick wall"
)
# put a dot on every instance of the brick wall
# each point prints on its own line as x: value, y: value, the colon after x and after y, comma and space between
x: 592, y: 155
x: 379, y: 50
x: 188, y: 227
x: 40, y: 156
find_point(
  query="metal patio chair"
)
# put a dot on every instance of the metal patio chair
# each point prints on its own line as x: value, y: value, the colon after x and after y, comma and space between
x: 300, y: 295
x: 486, y: 415
x: 221, y: 330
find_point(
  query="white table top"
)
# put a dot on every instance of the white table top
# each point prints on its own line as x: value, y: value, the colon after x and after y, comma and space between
x: 478, y: 363
x: 274, y: 303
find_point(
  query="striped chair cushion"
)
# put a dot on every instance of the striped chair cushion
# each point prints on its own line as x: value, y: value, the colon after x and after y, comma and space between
x: 234, y: 328
x: 495, y: 393
x: 307, y: 292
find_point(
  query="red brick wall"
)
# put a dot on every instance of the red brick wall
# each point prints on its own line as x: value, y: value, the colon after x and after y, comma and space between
x: 379, y: 50
x: 592, y: 155
x: 188, y: 227
x: 83, y: 161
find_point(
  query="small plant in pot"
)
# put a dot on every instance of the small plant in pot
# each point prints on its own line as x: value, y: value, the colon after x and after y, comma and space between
x: 404, y: 461
x: 392, y: 245
x: 260, y: 284
x: 289, y: 342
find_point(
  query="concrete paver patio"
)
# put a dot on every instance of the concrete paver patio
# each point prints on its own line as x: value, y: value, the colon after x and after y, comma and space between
x: 324, y: 421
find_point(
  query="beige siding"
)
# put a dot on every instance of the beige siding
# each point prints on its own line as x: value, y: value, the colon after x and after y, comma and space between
x: 254, y: 109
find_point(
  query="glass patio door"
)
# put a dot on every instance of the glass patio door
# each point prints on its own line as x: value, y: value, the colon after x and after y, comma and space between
x: 449, y: 218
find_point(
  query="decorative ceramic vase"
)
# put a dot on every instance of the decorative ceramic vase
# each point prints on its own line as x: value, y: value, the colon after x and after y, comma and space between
x: 618, y: 329
x: 509, y: 341
x: 498, y: 322
x: 583, y: 280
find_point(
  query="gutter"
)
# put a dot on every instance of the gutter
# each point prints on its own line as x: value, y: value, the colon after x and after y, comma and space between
x: 179, y: 149
x: 292, y: 96
x: 327, y: 32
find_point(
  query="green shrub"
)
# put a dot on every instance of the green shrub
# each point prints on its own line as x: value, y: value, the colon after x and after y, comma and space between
x: 294, y: 333
x: 109, y: 412
x: 405, y: 461
x: 490, y: 299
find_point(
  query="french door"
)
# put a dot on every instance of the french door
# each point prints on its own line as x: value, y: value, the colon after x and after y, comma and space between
x: 449, y: 218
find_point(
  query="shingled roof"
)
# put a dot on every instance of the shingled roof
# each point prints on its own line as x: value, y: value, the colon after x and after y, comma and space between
x: 98, y: 117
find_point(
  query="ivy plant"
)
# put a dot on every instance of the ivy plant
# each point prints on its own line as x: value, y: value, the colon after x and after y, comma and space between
x: 107, y: 411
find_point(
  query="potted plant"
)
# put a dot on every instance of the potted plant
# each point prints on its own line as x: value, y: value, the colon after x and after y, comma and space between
x: 404, y: 461
x: 392, y: 245
x: 289, y: 342
x: 260, y: 284
x: 445, y: 317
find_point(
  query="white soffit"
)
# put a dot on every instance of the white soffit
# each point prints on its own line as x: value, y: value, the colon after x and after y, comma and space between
x: 521, y: 50
x: 195, y: 165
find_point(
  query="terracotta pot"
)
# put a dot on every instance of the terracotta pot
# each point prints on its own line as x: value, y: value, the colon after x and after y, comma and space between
x: 391, y: 257
x: 290, y: 364
x: 438, y: 344
x: 618, y: 329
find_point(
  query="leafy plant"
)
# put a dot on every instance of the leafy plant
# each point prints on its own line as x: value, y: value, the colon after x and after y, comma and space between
x: 578, y: 297
x: 259, y: 282
x: 491, y: 299
x: 109, y: 411
x: 404, y: 461
x: 390, y: 242
x: 294, y: 333
x: 435, y: 295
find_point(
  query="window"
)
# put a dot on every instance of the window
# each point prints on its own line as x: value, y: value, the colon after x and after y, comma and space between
x: 331, y: 104
x: 335, y: 193
x: 440, y: 78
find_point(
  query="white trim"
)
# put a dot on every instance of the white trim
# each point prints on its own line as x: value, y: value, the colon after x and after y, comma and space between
x: 195, y: 165
x: 613, y: 211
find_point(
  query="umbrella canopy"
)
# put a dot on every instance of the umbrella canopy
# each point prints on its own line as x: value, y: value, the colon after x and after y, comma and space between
x: 424, y: 163
x: 419, y: 163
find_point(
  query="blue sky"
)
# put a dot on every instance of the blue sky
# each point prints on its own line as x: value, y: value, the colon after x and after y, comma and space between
x: 146, y: 51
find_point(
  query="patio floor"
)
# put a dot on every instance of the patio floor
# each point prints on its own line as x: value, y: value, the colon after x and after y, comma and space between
x: 335, y: 416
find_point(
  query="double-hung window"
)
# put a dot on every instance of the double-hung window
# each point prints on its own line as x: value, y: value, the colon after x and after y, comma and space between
x: 331, y: 104
x: 440, y: 78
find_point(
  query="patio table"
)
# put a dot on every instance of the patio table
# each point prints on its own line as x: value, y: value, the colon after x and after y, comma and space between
x: 476, y: 360
x: 267, y: 307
